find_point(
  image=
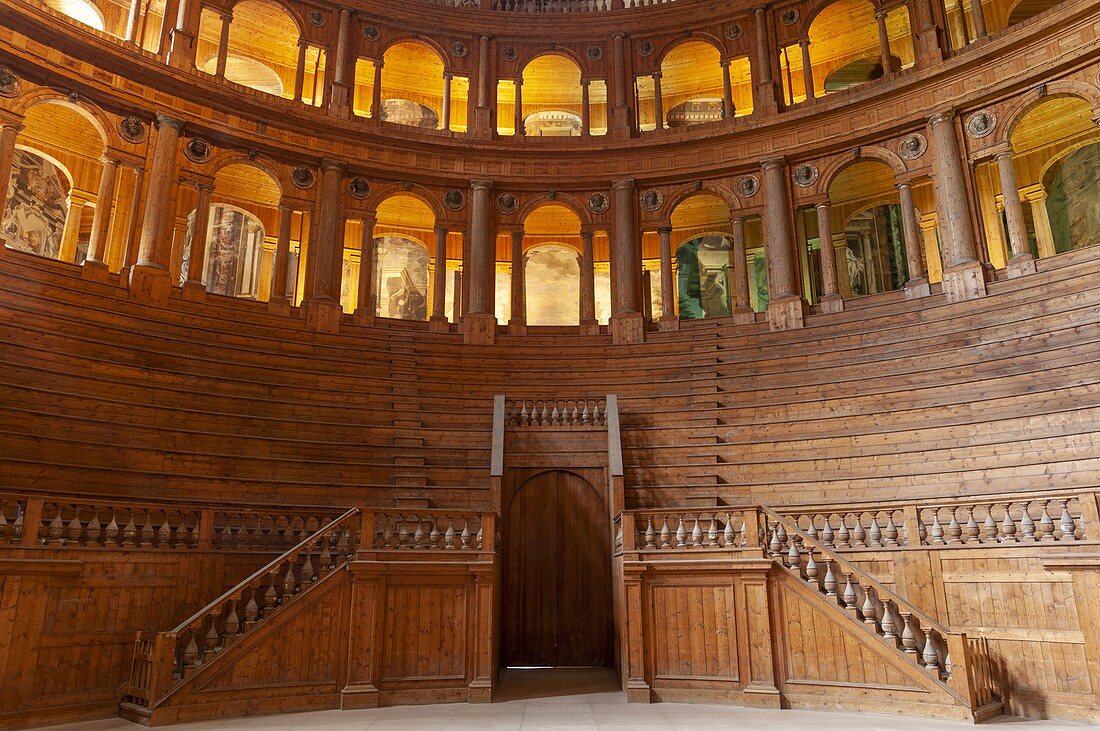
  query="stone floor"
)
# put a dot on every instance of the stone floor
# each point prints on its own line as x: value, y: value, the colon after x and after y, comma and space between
x: 574, y: 699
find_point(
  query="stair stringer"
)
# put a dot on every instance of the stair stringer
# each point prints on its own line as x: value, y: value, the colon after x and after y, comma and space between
x: 296, y: 660
x: 817, y: 646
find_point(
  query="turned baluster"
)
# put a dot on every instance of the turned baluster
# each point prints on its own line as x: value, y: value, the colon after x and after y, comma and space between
x: 93, y: 531
x: 555, y: 416
x: 110, y: 533
x: 868, y: 609
x: 774, y: 545
x: 696, y: 534
x: 889, y: 628
x: 874, y: 534
x: 251, y: 611
x: 598, y: 415
x: 225, y: 535
x: 1027, y: 523
x: 232, y: 625
x: 211, y: 639
x: 858, y: 534
x: 343, y: 542
x: 890, y: 533
x: 830, y: 580
x: 989, y: 527
x: 418, y: 536
x: 954, y: 530
x: 55, y: 531
x: 812, y: 530
x: 74, y: 530
x: 712, y: 531
x: 1067, y: 524
x: 464, y: 537
x: 728, y: 536
x: 449, y: 535
x: 146, y: 534
x: 929, y: 655
x: 827, y: 533
x: 191, y: 657
x: 793, y: 558
x: 666, y: 534
x: 575, y: 417
x: 544, y: 417
x: 308, y: 574
x: 586, y: 416
x: 164, y: 533
x: 811, y: 567
x: 972, y: 530
x: 842, y: 534
x: 849, y: 596
x: 433, y: 536
x: 326, y: 555
x: 908, y: 637
x: 402, y: 533
x: 681, y: 534
x: 1008, y: 526
x: 1046, y: 525
x: 290, y: 582
x: 5, y: 528
x: 937, y: 530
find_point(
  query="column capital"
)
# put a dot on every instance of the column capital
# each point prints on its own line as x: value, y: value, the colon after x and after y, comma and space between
x: 163, y: 120
x: 367, y: 218
x: 485, y: 38
x: 618, y: 36
x: 657, y: 75
x: 737, y: 218
x: 303, y: 42
x: 943, y: 115
x: 1003, y: 149
x: 903, y: 184
x: 481, y: 184
x: 226, y: 16
x: 109, y: 160
x: 337, y: 165
x: 440, y: 230
x: 758, y: 9
x: 204, y: 187
x: 587, y: 234
x: 804, y: 42
x: 775, y: 162
x: 285, y: 207
x: 628, y: 184
x: 664, y: 230
x: 517, y: 235
x: 379, y: 63
x: 824, y: 204
x: 881, y: 14
x: 14, y: 126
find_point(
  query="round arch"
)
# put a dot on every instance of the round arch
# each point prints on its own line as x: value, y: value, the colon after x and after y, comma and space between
x: 419, y: 193
x: 286, y: 7
x: 871, y: 153
x: 1015, y: 112
x: 687, y: 38
x: 562, y: 200
x: 95, y: 116
x: 230, y: 158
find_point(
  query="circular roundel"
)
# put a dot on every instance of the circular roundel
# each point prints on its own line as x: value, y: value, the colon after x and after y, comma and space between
x: 459, y: 49
x: 507, y: 203
x: 302, y: 177
x: 748, y: 186
x: 316, y: 18
x: 981, y: 124
x: 509, y: 53
x: 790, y: 17
x: 805, y: 175
x: 652, y: 199
x: 371, y: 32
x: 132, y: 129
x: 198, y: 150
x: 454, y: 200
x: 734, y: 31
x: 358, y: 188
x: 594, y: 53
x: 9, y: 82
x: 646, y: 48
x: 913, y: 146
x: 598, y: 203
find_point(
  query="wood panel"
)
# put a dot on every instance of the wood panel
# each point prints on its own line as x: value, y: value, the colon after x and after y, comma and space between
x: 557, y: 574
x: 425, y: 632
x: 695, y: 635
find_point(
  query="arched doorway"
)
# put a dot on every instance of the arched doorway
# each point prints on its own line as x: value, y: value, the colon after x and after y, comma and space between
x: 557, y: 575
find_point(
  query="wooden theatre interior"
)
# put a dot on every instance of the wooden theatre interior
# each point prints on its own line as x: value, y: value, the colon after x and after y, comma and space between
x: 354, y: 352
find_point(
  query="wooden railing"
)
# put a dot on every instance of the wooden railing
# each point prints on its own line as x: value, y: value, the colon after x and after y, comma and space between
x: 555, y: 412
x: 662, y: 530
x: 95, y: 523
x: 428, y: 530
x: 1060, y: 517
x: 163, y: 660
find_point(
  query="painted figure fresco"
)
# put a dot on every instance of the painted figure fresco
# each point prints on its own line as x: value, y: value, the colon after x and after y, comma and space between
x: 1073, y: 200
x: 553, y: 285
x: 234, y: 252
x: 702, y: 277
x: 402, y: 284
x: 34, y: 217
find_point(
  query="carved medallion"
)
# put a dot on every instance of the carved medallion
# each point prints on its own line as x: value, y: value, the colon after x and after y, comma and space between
x: 316, y: 18
x: 371, y: 32
x: 652, y: 199
x: 734, y: 31
x: 454, y: 200
x: 981, y: 124
x: 805, y: 175
x: 598, y: 203
x: 303, y: 177
x: 358, y: 188
x: 748, y: 186
x: 459, y: 49
x: 509, y: 53
x: 594, y: 53
x: 198, y: 150
x: 132, y: 129
x: 646, y: 48
x: 789, y: 17
x: 913, y: 146
x: 9, y: 82
x: 507, y: 203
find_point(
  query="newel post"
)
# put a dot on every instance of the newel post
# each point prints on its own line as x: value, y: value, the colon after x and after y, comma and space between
x: 32, y: 522
x: 633, y: 619
x: 912, y: 526
x: 366, y: 529
x: 752, y: 527
x: 958, y: 649
x: 1090, y: 514
x: 206, y: 529
x: 630, y: 532
x: 164, y: 664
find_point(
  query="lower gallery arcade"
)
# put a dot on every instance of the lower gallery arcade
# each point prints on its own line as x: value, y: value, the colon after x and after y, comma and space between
x: 356, y: 356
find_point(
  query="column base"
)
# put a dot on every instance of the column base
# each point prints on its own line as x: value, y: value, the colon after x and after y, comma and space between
x: 95, y: 271
x: 194, y: 291
x: 479, y: 329
x: 322, y: 315
x: 916, y: 288
x: 668, y: 323
x: 765, y: 98
x: 785, y: 313
x: 483, y: 126
x: 123, y: 275
x: 480, y: 691
x: 438, y: 324
x: 637, y: 691
x: 517, y: 327
x: 354, y: 697
x: 627, y: 328
x: 181, y: 54
x: 150, y: 285
x: 338, y: 101
x: 743, y: 316
x: 590, y: 327
x: 1021, y: 265
x: 831, y: 303
x: 363, y: 317
x: 963, y: 282
x: 279, y: 306
x: 759, y: 694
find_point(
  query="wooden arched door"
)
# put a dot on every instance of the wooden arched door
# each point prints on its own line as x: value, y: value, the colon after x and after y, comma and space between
x: 557, y: 575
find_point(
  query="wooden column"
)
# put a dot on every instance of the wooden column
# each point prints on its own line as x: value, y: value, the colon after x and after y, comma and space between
x: 586, y: 113
x: 438, y: 321
x: 132, y: 17
x: 182, y: 45
x: 589, y: 325
x: 376, y: 92
x: 518, y: 321
x: 884, y: 43
x: 979, y: 18
x: 764, y: 98
x: 831, y: 301
x: 8, y: 134
x: 322, y: 300
x: 669, y: 319
x: 739, y: 270
x: 223, y: 45
x: 632, y: 654
x: 807, y: 69
x: 479, y: 324
x: 101, y: 221
x: 300, y: 69
x: 626, y: 268
x: 1044, y: 235
x: 149, y: 278
x: 784, y: 303
x: 619, y: 121
x: 917, y: 286
x: 926, y: 25
x: 338, y: 94
x: 658, y: 101
x: 196, y: 265
x: 282, y: 257
x: 518, y: 111
x: 71, y: 232
x: 728, y: 110
x: 133, y: 224
x: 760, y: 688
x: 483, y: 111
x: 445, y: 116
x: 962, y: 275
x: 365, y: 308
x: 1022, y: 262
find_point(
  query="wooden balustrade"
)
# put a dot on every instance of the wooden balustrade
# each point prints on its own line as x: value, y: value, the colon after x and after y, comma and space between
x: 428, y: 531
x: 667, y: 530
x: 555, y: 412
x: 167, y: 658
x: 1060, y: 517
x: 548, y: 7
x: 893, y: 619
